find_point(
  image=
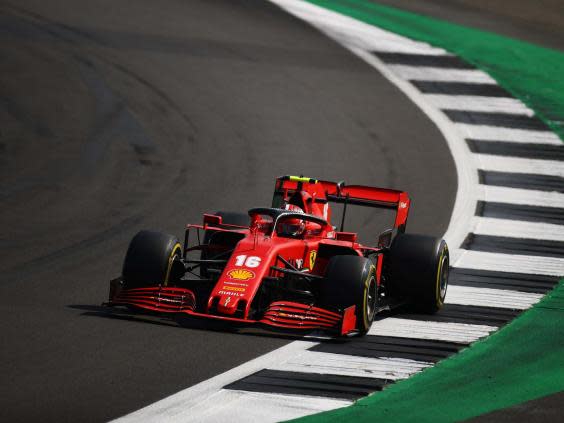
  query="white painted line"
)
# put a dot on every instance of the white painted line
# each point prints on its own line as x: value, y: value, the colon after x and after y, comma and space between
x: 443, y: 331
x: 520, y: 196
x: 518, y: 229
x: 195, y: 403
x: 355, y: 33
x: 486, y: 297
x: 424, y: 73
x: 520, y: 165
x: 347, y: 365
x: 536, y: 265
x: 476, y: 103
x: 241, y: 406
x: 496, y: 133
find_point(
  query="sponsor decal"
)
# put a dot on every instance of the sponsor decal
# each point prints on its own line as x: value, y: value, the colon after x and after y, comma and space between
x: 232, y: 294
x: 234, y: 288
x: 297, y: 316
x: 312, y: 257
x: 236, y: 283
x: 241, y: 274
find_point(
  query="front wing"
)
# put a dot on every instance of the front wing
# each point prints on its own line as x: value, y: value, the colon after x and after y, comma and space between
x: 280, y: 314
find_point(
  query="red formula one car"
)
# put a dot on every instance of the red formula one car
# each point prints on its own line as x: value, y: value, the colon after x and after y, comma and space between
x: 287, y: 266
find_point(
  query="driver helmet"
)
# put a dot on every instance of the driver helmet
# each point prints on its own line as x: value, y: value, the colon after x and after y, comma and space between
x: 291, y: 227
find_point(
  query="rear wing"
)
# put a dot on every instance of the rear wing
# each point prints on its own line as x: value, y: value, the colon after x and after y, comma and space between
x: 338, y: 192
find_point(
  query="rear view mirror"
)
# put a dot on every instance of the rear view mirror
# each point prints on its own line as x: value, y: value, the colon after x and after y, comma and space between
x: 212, y: 219
x: 385, y: 238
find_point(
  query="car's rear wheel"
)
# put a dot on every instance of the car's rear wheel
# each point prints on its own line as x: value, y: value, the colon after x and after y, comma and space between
x: 418, y: 271
x: 351, y: 280
x: 150, y: 260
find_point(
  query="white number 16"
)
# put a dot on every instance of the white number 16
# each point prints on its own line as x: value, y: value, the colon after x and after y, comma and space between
x: 251, y: 261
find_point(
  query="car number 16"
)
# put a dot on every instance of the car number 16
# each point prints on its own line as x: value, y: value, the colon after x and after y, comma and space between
x: 250, y: 261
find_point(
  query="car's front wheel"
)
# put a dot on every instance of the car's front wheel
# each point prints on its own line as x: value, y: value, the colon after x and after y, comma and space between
x: 351, y: 280
x: 149, y: 260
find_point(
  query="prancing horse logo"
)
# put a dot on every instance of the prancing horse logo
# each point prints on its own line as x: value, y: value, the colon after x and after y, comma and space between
x: 312, y: 257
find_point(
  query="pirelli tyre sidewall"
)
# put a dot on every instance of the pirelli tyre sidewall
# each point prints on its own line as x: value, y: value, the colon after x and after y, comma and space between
x: 351, y: 280
x: 149, y: 260
x: 418, y: 271
x: 443, y: 268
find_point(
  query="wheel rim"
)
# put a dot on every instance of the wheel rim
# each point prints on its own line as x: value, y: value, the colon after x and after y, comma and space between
x: 371, y: 299
x: 176, y: 253
x: 443, y: 279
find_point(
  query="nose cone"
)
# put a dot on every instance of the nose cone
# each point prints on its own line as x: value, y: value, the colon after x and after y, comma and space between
x: 227, y: 304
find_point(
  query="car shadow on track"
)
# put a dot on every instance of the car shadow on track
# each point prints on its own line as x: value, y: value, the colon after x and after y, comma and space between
x: 103, y: 311
x: 106, y: 312
x: 109, y: 313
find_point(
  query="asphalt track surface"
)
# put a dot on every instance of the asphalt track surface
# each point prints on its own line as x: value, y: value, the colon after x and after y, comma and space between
x: 543, y: 410
x: 122, y: 115
x: 540, y: 22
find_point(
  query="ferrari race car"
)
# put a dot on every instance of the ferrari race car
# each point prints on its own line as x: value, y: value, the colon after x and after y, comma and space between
x: 287, y: 266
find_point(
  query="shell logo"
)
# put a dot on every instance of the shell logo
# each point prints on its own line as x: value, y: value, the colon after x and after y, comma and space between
x: 240, y: 274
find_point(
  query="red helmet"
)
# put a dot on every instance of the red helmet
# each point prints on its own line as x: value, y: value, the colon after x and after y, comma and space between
x: 293, y: 226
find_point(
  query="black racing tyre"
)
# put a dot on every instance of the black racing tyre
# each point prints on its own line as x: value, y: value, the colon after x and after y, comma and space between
x: 351, y: 280
x: 418, y: 271
x: 149, y: 260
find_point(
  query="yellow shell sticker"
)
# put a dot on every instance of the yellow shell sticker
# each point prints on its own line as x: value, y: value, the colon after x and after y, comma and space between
x: 312, y: 257
x: 240, y: 274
